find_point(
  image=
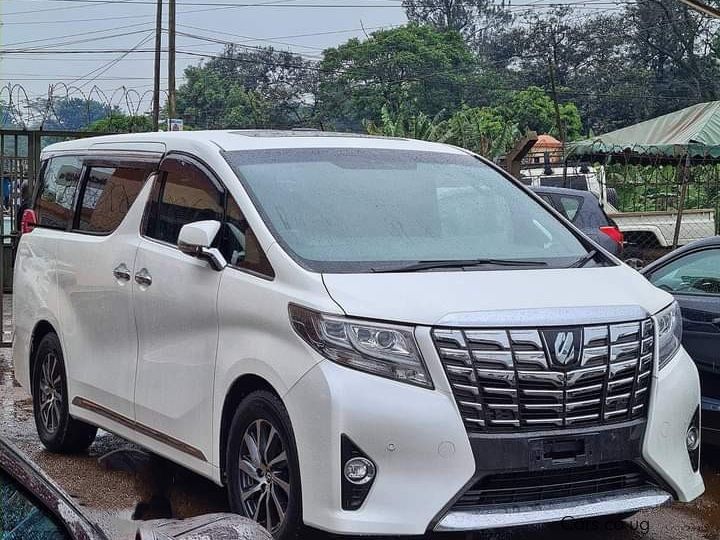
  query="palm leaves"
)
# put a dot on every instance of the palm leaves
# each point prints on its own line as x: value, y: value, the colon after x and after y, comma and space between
x: 481, y: 130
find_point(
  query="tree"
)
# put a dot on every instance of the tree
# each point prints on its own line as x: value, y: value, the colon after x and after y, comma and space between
x: 121, y: 123
x: 482, y: 130
x: 677, y: 44
x: 73, y: 113
x: 412, y: 68
x: 243, y: 88
x: 472, y: 18
x: 532, y: 109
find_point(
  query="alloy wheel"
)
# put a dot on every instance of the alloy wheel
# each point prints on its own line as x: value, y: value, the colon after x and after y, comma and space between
x: 264, y: 475
x: 51, y: 393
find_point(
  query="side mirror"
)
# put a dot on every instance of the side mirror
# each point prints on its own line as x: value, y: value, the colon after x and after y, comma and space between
x: 195, y: 240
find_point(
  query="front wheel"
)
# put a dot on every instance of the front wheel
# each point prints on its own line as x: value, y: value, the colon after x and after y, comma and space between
x: 58, y: 431
x: 262, y: 466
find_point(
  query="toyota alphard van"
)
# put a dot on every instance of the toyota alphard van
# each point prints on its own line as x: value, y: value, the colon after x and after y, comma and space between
x: 361, y: 335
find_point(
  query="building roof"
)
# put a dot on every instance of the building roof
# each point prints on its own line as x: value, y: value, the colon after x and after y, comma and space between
x: 547, y: 141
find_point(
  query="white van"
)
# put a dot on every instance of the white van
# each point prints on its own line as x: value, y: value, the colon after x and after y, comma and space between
x: 362, y: 335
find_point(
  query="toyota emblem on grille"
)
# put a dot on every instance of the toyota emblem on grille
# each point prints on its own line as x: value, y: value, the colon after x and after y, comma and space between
x: 565, y: 348
x: 564, y: 345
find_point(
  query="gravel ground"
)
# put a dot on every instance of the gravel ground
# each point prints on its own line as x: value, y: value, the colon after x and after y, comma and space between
x: 117, y: 483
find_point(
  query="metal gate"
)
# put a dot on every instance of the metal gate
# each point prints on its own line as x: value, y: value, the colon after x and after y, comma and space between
x: 19, y: 165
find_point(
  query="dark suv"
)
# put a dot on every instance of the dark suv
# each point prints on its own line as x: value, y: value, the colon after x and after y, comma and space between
x: 583, y: 209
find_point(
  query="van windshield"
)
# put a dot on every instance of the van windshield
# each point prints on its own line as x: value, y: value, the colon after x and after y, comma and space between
x: 365, y: 210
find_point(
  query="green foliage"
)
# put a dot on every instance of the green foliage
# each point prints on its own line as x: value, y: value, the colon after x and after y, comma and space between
x: 403, y: 124
x: 533, y: 109
x: 247, y: 88
x: 121, y: 123
x: 482, y: 130
x: 469, y: 17
x: 412, y: 68
x: 75, y: 113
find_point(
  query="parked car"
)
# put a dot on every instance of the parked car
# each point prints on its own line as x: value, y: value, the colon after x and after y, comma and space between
x: 692, y: 275
x: 583, y: 210
x: 32, y: 506
x: 642, y: 230
x: 364, y: 335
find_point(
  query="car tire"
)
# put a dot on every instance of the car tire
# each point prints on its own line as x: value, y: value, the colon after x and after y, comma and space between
x: 58, y: 431
x: 262, y: 466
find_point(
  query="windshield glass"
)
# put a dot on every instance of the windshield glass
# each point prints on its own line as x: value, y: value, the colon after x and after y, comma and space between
x: 360, y: 210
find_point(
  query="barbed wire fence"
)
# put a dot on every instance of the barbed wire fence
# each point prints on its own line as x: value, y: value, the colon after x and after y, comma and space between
x: 21, y: 110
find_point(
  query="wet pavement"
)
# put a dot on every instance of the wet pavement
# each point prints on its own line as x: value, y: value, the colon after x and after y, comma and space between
x: 117, y: 483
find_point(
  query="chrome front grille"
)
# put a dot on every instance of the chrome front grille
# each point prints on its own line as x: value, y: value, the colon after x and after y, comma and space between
x: 531, y: 379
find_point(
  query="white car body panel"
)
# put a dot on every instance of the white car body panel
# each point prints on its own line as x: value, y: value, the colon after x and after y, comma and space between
x: 199, y: 332
x: 428, y: 297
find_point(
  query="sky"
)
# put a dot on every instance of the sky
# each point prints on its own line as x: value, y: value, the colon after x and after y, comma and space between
x: 99, y: 48
x: 43, y: 28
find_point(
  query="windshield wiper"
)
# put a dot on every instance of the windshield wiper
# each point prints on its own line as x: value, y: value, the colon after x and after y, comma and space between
x: 584, y: 260
x: 429, y: 265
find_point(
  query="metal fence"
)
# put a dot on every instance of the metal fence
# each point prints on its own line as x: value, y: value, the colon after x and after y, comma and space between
x: 660, y: 205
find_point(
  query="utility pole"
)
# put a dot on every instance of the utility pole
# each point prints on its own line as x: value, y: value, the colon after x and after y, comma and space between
x: 558, y: 118
x: 171, y: 59
x: 703, y: 8
x: 156, y: 87
x: 553, y: 88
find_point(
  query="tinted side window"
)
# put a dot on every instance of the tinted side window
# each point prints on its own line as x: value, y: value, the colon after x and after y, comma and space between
x: 186, y: 195
x: 23, y: 518
x: 696, y: 273
x: 239, y: 245
x: 108, y: 194
x: 570, y: 206
x: 54, y: 205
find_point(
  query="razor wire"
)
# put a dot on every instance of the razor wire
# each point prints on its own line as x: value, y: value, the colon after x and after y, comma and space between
x: 20, y: 110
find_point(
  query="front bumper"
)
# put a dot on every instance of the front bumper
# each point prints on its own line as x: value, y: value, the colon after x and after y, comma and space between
x: 572, y: 508
x: 426, y: 461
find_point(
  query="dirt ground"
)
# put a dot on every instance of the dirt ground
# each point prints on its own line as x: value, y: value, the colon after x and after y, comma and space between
x: 116, y: 483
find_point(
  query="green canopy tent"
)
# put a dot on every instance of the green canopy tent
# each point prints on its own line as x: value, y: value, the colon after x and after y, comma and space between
x: 692, y: 133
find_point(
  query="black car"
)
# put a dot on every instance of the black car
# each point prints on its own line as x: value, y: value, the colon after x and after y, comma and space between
x: 692, y: 275
x: 33, y: 508
x: 583, y: 210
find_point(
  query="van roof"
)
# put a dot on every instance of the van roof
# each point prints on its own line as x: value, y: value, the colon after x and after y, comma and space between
x: 231, y: 140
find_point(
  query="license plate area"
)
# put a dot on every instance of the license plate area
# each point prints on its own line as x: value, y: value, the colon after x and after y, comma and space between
x: 562, y: 452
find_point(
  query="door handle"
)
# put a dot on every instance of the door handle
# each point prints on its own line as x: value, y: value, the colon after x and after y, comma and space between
x: 121, y: 272
x: 143, y: 278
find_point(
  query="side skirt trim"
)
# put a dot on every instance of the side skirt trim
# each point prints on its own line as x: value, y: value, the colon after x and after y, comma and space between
x: 140, y: 428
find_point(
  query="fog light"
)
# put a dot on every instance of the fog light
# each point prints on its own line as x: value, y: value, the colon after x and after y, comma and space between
x: 692, y: 439
x: 359, y: 471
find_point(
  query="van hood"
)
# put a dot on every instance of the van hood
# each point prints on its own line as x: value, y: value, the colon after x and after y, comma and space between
x: 496, y: 298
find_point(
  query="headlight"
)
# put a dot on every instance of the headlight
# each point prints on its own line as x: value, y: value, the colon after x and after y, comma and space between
x: 381, y: 349
x: 669, y: 325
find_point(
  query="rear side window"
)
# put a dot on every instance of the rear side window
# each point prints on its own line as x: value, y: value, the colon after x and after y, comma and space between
x: 54, y: 204
x: 570, y: 206
x: 186, y: 195
x: 108, y: 194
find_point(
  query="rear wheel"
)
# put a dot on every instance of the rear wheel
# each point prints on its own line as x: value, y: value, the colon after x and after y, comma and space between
x: 262, y: 466
x: 57, y: 430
